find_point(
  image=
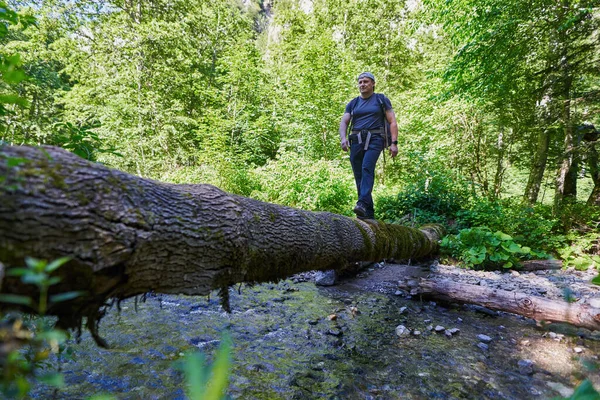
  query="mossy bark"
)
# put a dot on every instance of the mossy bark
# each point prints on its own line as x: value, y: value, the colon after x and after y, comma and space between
x: 127, y: 235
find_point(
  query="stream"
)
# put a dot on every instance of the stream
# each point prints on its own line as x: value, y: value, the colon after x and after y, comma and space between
x: 295, y: 340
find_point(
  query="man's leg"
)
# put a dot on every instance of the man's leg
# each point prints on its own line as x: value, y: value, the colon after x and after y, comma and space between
x: 368, y: 175
x: 357, y: 154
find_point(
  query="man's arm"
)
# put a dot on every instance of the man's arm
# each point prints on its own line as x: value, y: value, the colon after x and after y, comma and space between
x: 391, y: 118
x: 344, y: 127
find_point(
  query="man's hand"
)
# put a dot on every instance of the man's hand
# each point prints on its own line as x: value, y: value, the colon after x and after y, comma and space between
x: 345, y: 145
x: 394, y: 150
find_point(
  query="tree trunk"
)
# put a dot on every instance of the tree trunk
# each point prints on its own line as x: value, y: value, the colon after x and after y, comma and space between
x: 592, y: 136
x: 536, y: 173
x: 535, y: 307
x: 127, y: 235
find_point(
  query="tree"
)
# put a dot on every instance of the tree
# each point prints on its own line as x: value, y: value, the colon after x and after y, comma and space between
x: 515, y: 53
x: 128, y: 236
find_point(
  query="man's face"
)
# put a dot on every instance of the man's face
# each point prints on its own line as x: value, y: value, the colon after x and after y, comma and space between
x: 365, y: 85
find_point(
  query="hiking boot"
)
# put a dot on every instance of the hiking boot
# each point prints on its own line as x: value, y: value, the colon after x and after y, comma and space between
x: 360, y: 210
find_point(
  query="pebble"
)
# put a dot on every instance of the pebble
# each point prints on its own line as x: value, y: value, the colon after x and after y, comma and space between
x: 578, y: 350
x: 402, y: 309
x: 429, y: 327
x: 401, y: 330
x: 416, y: 333
x: 525, y: 367
x: 439, y: 328
x: 327, y: 278
x: 447, y: 333
x: 561, y: 389
x: 484, y: 338
x: 454, y: 331
x: 482, y: 346
x: 334, y: 332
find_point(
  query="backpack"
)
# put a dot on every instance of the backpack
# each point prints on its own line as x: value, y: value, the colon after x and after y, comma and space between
x: 387, y: 134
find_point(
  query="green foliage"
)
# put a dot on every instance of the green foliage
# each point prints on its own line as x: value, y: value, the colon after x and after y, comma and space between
x: 205, y: 382
x: 29, y: 346
x: 435, y: 197
x: 294, y: 181
x: 531, y: 226
x: 480, y: 248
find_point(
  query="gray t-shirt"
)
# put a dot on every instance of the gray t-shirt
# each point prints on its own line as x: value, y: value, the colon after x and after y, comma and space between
x: 367, y: 112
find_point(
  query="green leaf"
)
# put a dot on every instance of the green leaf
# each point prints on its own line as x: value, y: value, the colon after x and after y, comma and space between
x: 17, y: 271
x: 13, y: 76
x: 13, y: 99
x: 220, y: 372
x: 53, y: 280
x: 57, y: 298
x: 34, y: 278
x: 195, y: 375
x: 512, y: 247
x: 596, y: 280
x: 502, y: 236
x: 507, y: 265
x: 57, y: 263
x: 16, y: 299
x: 35, y: 264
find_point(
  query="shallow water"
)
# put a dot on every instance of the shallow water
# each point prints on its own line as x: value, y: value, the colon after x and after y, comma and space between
x: 286, y: 347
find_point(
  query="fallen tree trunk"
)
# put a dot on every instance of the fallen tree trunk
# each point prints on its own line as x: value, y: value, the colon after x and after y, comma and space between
x: 128, y: 236
x: 535, y: 307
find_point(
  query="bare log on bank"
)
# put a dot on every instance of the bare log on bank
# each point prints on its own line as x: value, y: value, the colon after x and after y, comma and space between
x: 128, y: 236
x: 585, y: 315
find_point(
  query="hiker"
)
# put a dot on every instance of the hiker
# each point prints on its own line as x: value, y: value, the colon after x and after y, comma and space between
x: 366, y: 115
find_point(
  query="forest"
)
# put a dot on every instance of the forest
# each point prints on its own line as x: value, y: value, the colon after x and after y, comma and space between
x: 497, y: 103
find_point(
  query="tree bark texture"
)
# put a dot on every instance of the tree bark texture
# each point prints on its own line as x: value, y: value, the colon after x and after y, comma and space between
x: 535, y: 307
x: 128, y: 236
x: 591, y: 136
x: 536, y: 173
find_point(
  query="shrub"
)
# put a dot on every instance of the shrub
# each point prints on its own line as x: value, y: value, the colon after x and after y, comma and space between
x: 436, y: 197
x: 528, y: 225
x: 479, y: 247
x: 309, y: 185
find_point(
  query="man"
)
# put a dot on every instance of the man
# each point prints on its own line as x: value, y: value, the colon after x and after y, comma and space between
x: 367, y: 114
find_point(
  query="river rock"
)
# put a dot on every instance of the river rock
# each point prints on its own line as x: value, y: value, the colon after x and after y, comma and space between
x: 325, y: 278
x: 484, y: 338
x: 525, y: 367
x: 454, y: 331
x: 401, y: 330
x: 561, y: 389
x: 439, y: 328
x: 482, y: 346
